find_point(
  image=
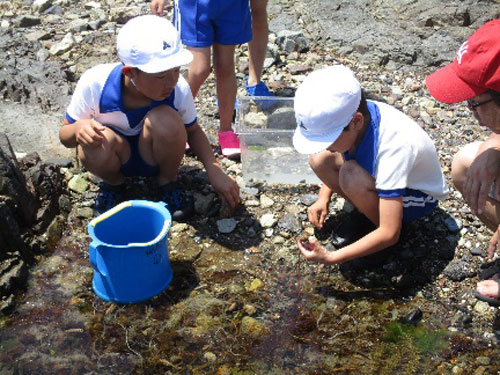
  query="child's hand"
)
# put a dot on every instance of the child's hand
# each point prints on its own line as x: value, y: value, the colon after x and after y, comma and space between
x: 225, y: 186
x: 90, y: 133
x: 157, y: 7
x: 317, y: 213
x: 313, y: 251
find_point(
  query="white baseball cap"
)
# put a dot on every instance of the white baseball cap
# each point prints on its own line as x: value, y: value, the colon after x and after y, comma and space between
x: 151, y: 44
x: 324, y: 105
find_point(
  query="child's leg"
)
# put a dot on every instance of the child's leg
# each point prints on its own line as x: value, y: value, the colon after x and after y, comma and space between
x: 326, y: 165
x: 163, y: 141
x: 226, y: 83
x: 359, y: 187
x: 199, y: 69
x: 257, y: 47
x: 460, y: 166
x: 106, y: 160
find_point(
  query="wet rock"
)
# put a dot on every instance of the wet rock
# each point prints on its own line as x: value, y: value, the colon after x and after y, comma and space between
x: 252, y: 327
x: 254, y: 285
x: 413, y: 317
x: 477, y: 251
x: 78, y: 184
x: 179, y: 228
x: 226, y: 225
x: 308, y: 199
x: 454, y: 225
x: 290, y: 223
x: 458, y: 270
x: 203, y: 203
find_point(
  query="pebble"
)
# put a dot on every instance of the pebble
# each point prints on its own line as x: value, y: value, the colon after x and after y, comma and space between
x: 308, y: 199
x: 226, y: 225
x: 477, y: 251
x: 268, y: 220
x: 78, y: 184
x: 290, y: 223
x: 265, y: 201
x: 454, y: 225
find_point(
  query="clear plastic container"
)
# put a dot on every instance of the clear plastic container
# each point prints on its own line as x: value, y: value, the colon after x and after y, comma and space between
x: 265, y: 127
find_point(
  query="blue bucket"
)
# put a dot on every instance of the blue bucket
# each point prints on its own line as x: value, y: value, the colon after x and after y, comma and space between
x: 129, y: 251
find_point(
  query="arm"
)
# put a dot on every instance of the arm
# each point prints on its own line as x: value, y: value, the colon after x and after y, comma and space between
x: 157, y: 7
x: 387, y: 234
x: 87, y: 133
x: 484, y: 170
x: 225, y: 186
x: 318, y: 211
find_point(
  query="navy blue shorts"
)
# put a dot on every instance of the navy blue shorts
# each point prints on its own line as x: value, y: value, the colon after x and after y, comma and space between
x: 203, y: 22
x: 135, y: 165
x: 417, y: 204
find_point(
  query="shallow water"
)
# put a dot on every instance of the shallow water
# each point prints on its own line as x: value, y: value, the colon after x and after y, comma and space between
x: 229, y: 311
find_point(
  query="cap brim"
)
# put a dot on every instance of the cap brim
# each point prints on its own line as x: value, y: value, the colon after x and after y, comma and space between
x: 181, y: 58
x: 446, y: 86
x: 313, y: 145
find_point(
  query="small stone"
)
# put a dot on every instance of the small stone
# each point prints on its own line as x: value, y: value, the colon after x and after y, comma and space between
x: 308, y: 199
x: 226, y: 225
x: 252, y: 327
x: 290, y: 223
x: 477, y: 251
x: 179, y: 228
x: 483, y: 361
x: 41, y: 6
x: 482, y: 308
x: 254, y: 285
x: 268, y: 220
x: 265, y: 201
x: 85, y: 212
x: 454, y: 225
x: 249, y: 309
x: 210, y: 357
x: 78, y: 184
x: 63, y: 46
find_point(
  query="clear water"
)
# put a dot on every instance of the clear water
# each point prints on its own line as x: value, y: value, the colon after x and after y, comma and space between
x: 276, y: 165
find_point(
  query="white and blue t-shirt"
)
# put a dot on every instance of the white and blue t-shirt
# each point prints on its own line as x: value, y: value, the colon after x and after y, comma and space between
x: 98, y: 96
x: 399, y: 154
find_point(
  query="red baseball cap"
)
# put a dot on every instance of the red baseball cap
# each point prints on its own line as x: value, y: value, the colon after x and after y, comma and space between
x: 476, y: 68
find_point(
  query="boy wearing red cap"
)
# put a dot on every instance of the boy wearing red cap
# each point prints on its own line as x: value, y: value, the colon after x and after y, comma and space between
x: 133, y: 118
x: 474, y: 76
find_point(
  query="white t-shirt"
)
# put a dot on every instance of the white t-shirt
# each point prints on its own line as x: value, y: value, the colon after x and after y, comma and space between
x: 98, y: 95
x: 399, y: 154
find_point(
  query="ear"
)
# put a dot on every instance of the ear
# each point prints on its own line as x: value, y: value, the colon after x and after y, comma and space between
x: 358, y: 120
x: 129, y: 71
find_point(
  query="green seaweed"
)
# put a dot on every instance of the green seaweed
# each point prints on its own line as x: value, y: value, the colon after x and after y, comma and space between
x: 427, y: 341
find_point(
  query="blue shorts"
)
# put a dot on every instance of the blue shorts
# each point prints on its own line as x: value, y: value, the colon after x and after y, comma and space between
x: 203, y: 22
x: 417, y: 204
x: 135, y: 165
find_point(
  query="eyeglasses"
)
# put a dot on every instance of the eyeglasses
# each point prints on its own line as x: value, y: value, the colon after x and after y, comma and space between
x: 472, y: 106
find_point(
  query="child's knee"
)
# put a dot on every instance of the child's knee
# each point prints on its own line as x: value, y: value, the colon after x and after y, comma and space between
x: 461, y: 163
x: 164, y: 122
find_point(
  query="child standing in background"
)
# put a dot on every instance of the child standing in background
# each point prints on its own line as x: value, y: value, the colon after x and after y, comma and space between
x: 219, y: 25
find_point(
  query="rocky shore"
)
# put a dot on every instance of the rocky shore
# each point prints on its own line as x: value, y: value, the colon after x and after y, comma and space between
x: 242, y: 301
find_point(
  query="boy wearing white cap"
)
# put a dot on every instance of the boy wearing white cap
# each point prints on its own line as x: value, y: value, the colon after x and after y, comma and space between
x: 133, y: 118
x: 369, y: 153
